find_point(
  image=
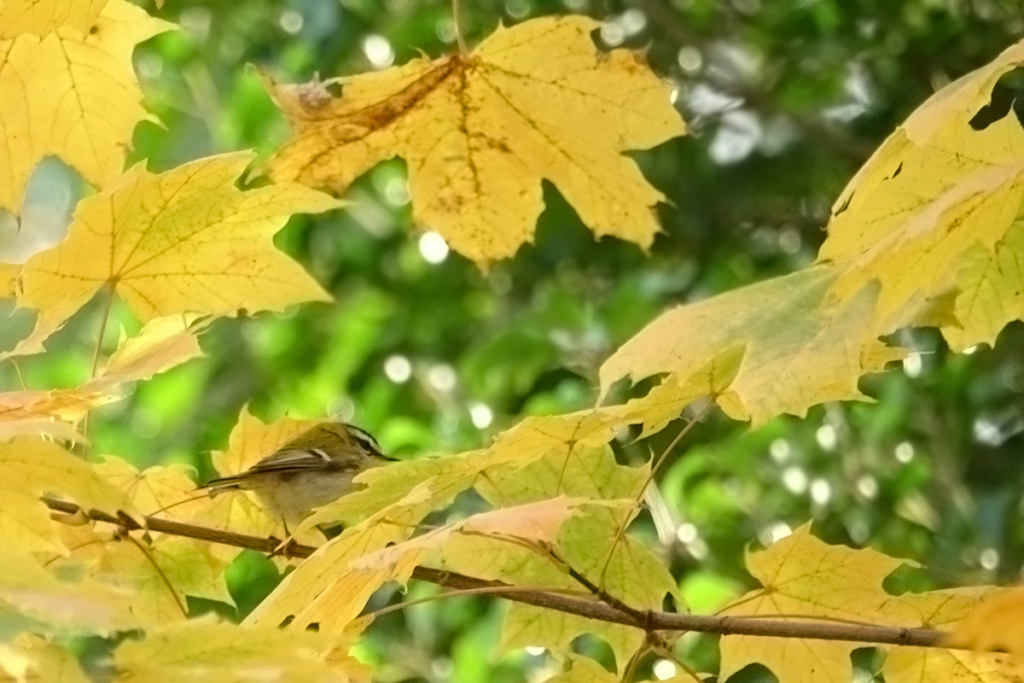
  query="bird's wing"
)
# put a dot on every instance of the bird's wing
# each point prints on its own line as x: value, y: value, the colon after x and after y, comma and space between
x: 292, y: 459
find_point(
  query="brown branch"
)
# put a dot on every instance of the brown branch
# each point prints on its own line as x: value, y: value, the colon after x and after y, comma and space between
x: 591, y: 608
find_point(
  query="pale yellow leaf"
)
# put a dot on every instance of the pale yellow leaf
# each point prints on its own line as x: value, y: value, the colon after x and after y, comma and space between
x: 203, y: 651
x: 52, y: 413
x: 531, y: 523
x: 917, y: 664
x: 517, y: 447
x: 91, y: 101
x: 806, y: 578
x: 480, y: 131
x: 32, y: 466
x: 496, y: 559
x: 158, y: 576
x: 162, y: 343
x: 945, y: 610
x: 384, y: 486
x: 513, y: 449
x: 665, y: 402
x: 160, y: 490
x: 324, y: 589
x: 923, y: 256
x: 800, y: 349
x: 31, y: 658
x: 25, y: 523
x: 71, y: 607
x: 589, y: 543
x: 184, y: 241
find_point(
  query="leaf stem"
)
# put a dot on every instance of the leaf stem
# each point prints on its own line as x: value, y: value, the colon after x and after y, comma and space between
x: 160, y: 572
x: 459, y: 35
x: 650, y: 477
x: 102, y: 332
x: 96, y: 361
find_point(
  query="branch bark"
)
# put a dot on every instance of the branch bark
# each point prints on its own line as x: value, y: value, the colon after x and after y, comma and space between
x: 645, y: 620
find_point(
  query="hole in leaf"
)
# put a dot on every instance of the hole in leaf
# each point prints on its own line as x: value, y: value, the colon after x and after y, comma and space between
x: 1007, y: 94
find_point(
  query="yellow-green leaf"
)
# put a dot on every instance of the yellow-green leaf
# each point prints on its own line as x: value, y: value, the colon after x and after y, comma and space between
x: 801, y: 349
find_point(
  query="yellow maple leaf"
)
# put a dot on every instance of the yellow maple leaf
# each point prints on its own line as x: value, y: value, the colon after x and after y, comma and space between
x: 156, y: 577
x: 204, y: 651
x: 512, y: 450
x: 162, y: 343
x: 935, y: 189
x: 32, y: 466
x: 525, y: 443
x: 945, y: 610
x: 324, y: 589
x: 536, y: 522
x: 156, y: 490
x: 480, y: 131
x: 184, y: 241
x: 48, y: 412
x: 995, y: 624
x: 991, y: 284
x: 343, y: 591
x: 800, y: 348
x: 40, y: 17
x: 804, y: 578
x: 32, y: 658
x: 25, y: 524
x: 62, y: 606
x: 589, y: 543
x: 90, y: 105
x: 666, y: 402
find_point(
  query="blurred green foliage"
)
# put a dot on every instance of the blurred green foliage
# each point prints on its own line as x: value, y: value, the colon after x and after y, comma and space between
x: 786, y: 100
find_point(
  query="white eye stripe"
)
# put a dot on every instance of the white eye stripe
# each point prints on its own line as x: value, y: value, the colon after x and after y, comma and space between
x: 364, y: 438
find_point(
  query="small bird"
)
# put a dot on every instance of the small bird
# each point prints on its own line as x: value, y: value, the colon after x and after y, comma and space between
x: 313, y: 469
